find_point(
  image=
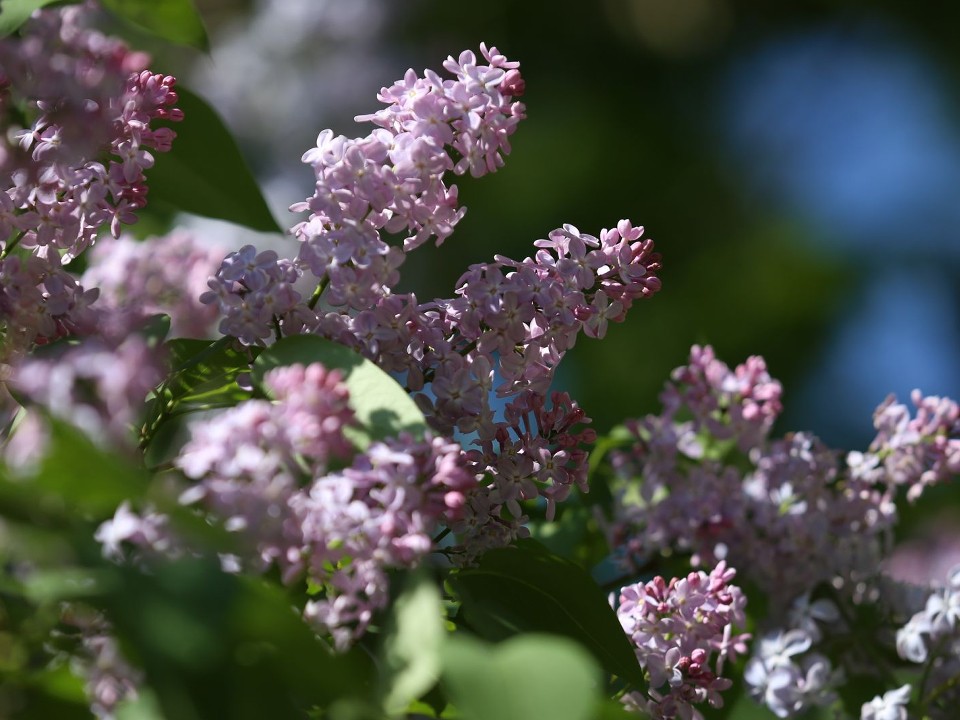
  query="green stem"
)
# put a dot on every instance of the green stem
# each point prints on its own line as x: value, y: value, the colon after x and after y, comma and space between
x: 938, y: 691
x: 12, y: 244
x: 321, y: 286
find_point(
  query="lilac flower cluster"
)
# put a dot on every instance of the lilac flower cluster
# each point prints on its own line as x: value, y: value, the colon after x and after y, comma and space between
x: 79, y: 165
x: 786, y: 672
x: 683, y: 633
x: 932, y: 637
x: 39, y: 303
x: 714, y: 484
x: 516, y: 320
x: 508, y: 318
x: 913, y: 452
x: 267, y: 470
x: 163, y: 274
x: 706, y: 478
x: 254, y: 294
x: 109, y: 678
x: 392, y: 179
x: 97, y: 386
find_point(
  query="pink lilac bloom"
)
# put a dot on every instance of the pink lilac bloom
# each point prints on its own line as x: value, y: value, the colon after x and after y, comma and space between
x: 39, y: 303
x: 265, y: 469
x: 683, y: 632
x: 379, y: 513
x: 165, y: 274
x: 249, y: 461
x: 96, y: 386
x: 705, y: 478
x: 393, y: 180
x: 914, y: 452
x: 108, y: 677
x: 79, y: 163
x: 515, y: 319
x: 254, y: 295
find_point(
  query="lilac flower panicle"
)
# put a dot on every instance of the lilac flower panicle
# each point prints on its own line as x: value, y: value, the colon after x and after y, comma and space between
x: 918, y: 451
x: 157, y: 275
x: 375, y: 515
x: 392, y: 180
x: 264, y: 468
x: 705, y: 478
x: 683, y: 633
x: 95, y: 386
x: 254, y: 293
x: 79, y: 165
x: 40, y: 303
x: 109, y: 678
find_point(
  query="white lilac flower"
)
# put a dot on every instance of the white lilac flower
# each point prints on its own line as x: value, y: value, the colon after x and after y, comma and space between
x: 891, y: 706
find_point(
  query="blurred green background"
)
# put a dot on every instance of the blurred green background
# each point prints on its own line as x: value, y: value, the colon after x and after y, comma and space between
x: 795, y: 162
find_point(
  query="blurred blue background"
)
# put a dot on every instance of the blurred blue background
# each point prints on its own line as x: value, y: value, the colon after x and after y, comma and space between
x: 797, y: 164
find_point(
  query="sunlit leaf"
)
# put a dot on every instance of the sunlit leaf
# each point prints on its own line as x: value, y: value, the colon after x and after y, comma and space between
x: 530, y: 676
x: 14, y: 13
x: 412, y: 649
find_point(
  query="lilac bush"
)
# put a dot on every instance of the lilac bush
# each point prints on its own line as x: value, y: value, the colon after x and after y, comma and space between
x: 202, y: 438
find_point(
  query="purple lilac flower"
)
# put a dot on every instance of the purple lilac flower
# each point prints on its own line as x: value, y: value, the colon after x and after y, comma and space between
x: 265, y: 469
x: 254, y: 294
x: 98, y: 387
x: 787, y: 677
x: 158, y: 275
x: 90, y: 104
x: 148, y: 532
x: 703, y: 477
x: 392, y: 180
x: 683, y: 633
x: 109, y: 678
x: 914, y: 452
x: 377, y: 514
x: 39, y: 303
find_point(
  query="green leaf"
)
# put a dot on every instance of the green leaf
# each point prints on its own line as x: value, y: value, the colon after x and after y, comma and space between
x: 382, y: 406
x: 527, y: 589
x: 78, y: 476
x: 204, y: 172
x: 215, y: 645
x: 205, y: 373
x: 204, y: 377
x: 64, y: 583
x: 155, y: 329
x: 175, y: 20
x: 14, y: 13
x: 531, y: 676
x: 412, y: 649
